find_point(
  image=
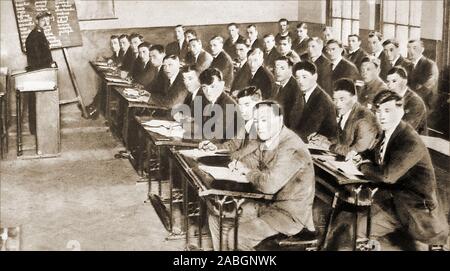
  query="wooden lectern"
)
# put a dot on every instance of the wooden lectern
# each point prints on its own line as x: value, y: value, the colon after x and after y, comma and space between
x: 44, y: 83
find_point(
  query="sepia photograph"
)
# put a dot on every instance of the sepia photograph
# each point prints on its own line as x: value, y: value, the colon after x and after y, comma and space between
x: 266, y: 126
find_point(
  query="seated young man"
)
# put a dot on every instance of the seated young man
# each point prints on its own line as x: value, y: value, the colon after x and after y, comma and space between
x: 247, y: 99
x: 278, y: 163
x: 117, y: 55
x: 215, y: 117
x: 184, y: 111
x: 370, y: 73
x: 143, y: 72
x: 401, y: 161
x: 198, y: 56
x: 357, y: 125
x: 415, y: 108
x: 314, y: 112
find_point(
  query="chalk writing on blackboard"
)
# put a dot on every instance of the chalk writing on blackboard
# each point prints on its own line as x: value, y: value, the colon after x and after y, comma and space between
x: 64, y: 29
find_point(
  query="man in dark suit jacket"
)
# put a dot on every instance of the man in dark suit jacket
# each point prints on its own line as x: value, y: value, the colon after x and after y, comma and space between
x: 283, y: 27
x: 354, y: 52
x: 143, y: 71
x: 375, y: 40
x: 197, y: 56
x: 129, y: 57
x: 300, y: 43
x: 357, y: 125
x: 229, y: 45
x: 340, y: 67
x: 171, y: 90
x: 279, y: 163
x: 242, y: 73
x: 260, y: 75
x: 392, y: 52
x: 270, y: 51
x: 414, y: 107
x: 286, y: 89
x: 314, y: 111
x: 185, y: 110
x: 402, y: 162
x: 218, y: 120
x: 253, y: 40
x: 315, y: 54
x: 284, y: 47
x: 117, y: 55
x: 180, y: 46
x: 424, y: 75
x: 370, y: 70
x: 221, y: 60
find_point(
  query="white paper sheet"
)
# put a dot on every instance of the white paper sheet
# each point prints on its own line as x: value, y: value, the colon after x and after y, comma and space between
x: 197, y: 153
x: 175, y: 132
x: 224, y: 173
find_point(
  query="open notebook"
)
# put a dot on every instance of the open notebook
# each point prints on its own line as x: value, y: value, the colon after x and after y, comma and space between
x: 224, y: 173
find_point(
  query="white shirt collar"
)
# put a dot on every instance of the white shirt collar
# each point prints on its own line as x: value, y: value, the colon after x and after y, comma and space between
x: 402, y: 94
x: 395, y: 60
x: 417, y: 61
x: 195, y: 93
x: 377, y: 54
x: 314, y: 58
x: 387, y: 137
x: 272, y: 143
x: 308, y: 92
x: 172, y: 79
x: 345, y: 118
x: 248, y: 125
x: 336, y: 62
x: 351, y: 52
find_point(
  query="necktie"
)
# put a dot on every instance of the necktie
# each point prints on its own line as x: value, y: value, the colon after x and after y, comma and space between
x: 382, y: 146
x: 332, y: 66
x: 340, y: 123
x: 304, y: 97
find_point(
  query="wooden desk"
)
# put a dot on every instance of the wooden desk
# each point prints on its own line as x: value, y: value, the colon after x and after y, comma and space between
x: 204, y: 187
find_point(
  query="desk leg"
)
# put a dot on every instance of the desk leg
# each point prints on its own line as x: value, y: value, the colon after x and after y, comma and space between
x: 107, y: 108
x: 355, y: 222
x: 330, y: 220
x: 171, y: 176
x: 238, y: 203
x: 186, y: 211
x: 125, y: 128
x: 200, y: 223
x: 19, y: 123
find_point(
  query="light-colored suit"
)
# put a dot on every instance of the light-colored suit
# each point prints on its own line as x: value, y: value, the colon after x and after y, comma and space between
x: 288, y: 173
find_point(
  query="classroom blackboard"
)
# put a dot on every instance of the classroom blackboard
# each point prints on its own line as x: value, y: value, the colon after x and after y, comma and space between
x: 64, y: 30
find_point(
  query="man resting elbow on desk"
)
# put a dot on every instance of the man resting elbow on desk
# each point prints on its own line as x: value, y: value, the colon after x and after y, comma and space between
x: 357, y: 125
x: 278, y: 163
x: 402, y: 161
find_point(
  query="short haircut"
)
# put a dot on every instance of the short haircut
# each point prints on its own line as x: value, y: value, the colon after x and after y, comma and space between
x: 174, y: 57
x: 283, y: 58
x: 372, y: 59
x: 241, y: 42
x: 195, y: 39
x: 268, y: 35
x: 145, y: 44
x: 124, y: 36
x: 385, y: 96
x: 286, y: 38
x: 218, y: 38
x: 253, y: 51
x: 345, y: 84
x: 43, y: 14
x: 400, y: 71
x: 157, y: 47
x: 354, y: 35
x: 391, y: 41
x: 113, y: 37
x: 136, y: 35
x: 376, y: 34
x: 335, y: 42
x: 207, y: 76
x: 179, y: 25
x: 232, y: 24
x: 305, y: 65
x: 188, y: 68
x: 277, y: 109
x: 416, y: 40
x: 251, y: 25
x: 316, y: 39
x: 252, y: 91
x: 327, y: 28
x: 191, y: 31
x: 283, y: 20
x: 302, y: 25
